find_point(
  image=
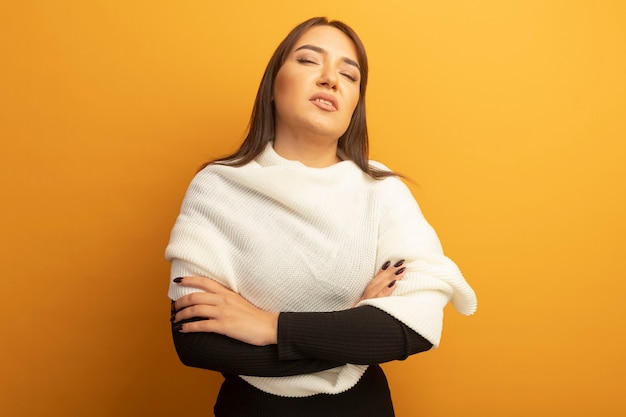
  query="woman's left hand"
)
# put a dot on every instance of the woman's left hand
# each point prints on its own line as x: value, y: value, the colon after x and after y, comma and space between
x: 225, y: 311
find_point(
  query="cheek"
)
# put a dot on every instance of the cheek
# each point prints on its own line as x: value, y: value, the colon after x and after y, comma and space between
x: 352, y: 94
x: 281, y: 106
x: 281, y: 91
x: 354, y: 101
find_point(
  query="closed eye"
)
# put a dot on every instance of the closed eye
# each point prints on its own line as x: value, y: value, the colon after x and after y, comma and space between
x: 311, y: 61
x: 350, y: 77
x: 305, y: 61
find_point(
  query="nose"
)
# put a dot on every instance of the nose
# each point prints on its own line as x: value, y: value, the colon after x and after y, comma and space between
x: 328, y: 78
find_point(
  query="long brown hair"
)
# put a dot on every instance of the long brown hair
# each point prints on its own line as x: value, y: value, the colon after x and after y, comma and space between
x: 353, y: 144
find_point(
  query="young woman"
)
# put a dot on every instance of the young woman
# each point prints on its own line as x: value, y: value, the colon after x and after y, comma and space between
x: 299, y: 265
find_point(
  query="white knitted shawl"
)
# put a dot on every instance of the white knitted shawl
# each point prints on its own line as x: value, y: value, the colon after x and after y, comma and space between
x: 293, y: 238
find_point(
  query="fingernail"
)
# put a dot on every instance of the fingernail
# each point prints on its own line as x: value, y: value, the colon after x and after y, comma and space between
x: 178, y: 280
x: 386, y: 265
x: 178, y: 327
x: 173, y: 317
x: 399, y: 271
x: 391, y: 284
x: 399, y: 263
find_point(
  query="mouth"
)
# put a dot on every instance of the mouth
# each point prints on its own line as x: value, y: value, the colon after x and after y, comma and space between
x: 325, y: 102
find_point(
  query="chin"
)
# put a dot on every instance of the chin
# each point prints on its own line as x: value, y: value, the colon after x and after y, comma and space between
x: 327, y: 130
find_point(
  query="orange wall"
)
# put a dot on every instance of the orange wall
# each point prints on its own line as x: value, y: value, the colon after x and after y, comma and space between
x: 509, y: 114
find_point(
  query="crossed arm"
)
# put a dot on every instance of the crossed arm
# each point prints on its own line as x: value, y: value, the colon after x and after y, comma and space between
x: 219, y: 330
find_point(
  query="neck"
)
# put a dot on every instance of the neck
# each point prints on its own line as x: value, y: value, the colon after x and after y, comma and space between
x: 313, y: 153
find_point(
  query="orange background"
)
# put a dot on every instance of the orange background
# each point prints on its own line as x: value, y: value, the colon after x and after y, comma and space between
x: 511, y: 116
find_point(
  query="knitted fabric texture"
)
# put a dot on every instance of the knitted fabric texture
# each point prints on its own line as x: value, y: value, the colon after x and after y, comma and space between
x: 288, y: 237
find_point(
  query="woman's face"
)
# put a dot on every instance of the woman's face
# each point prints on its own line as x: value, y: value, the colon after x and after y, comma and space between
x: 317, y: 88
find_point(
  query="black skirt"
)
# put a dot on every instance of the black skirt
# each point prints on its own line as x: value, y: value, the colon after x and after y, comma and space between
x: 370, y: 397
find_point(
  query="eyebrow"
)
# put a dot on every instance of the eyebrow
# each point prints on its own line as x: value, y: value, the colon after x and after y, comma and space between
x: 323, y: 51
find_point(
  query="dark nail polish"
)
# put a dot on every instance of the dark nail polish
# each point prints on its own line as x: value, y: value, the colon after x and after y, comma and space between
x: 386, y: 265
x: 399, y: 263
x: 173, y: 317
x: 178, y: 327
x: 391, y: 284
x: 399, y: 271
x: 178, y: 280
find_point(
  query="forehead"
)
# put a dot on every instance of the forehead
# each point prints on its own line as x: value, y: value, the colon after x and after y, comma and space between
x: 330, y: 39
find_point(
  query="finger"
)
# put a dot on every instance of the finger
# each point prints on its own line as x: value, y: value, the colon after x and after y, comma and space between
x: 388, y: 264
x: 399, y: 263
x: 203, y: 305
x: 202, y: 310
x: 379, y: 282
x: 196, y: 298
x: 201, y: 283
x: 207, y: 326
x: 388, y: 273
x: 385, y: 265
x: 391, y: 285
x: 397, y: 276
x: 388, y: 290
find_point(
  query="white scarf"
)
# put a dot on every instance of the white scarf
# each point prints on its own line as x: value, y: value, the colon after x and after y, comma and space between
x: 293, y: 238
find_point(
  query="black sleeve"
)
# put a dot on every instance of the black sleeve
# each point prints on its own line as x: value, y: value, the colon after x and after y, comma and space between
x: 307, y: 342
x: 230, y: 356
x: 364, y: 335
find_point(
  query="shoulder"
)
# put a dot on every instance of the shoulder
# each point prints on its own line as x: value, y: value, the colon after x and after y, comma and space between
x: 395, y: 192
x: 392, y: 183
x: 217, y: 171
x: 211, y: 180
x: 378, y: 165
x: 206, y: 176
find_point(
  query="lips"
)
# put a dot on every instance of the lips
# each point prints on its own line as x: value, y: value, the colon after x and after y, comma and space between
x: 325, y: 102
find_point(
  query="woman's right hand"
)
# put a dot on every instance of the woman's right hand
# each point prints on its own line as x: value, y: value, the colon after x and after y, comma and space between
x: 225, y: 312
x: 383, y: 284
